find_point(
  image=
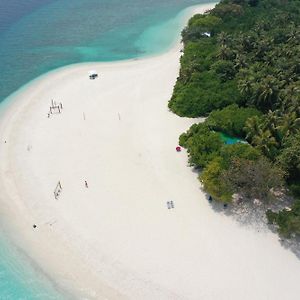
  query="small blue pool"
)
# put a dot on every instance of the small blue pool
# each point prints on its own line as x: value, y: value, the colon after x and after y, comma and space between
x: 230, y: 140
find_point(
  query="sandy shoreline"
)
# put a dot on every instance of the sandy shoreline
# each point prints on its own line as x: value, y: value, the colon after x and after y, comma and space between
x: 116, y: 239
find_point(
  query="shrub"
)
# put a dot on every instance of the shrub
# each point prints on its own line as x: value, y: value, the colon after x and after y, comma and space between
x: 212, y: 183
x: 254, y: 179
x: 202, y: 145
x: 231, y: 119
x: 288, y: 222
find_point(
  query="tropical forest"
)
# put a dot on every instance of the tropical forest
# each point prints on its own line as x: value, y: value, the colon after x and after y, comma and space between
x: 240, y: 69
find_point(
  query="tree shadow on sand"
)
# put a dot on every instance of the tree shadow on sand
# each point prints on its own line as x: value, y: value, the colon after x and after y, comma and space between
x: 244, y: 214
x: 254, y: 217
x: 292, y: 244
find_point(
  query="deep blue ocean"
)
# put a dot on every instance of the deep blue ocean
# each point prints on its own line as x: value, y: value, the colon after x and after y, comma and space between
x: 37, y: 36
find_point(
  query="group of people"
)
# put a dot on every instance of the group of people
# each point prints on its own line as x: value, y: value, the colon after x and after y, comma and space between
x: 170, y: 204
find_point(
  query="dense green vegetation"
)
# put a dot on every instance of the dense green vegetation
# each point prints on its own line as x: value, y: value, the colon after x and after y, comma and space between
x: 241, y: 68
x: 288, y: 220
x: 231, y: 120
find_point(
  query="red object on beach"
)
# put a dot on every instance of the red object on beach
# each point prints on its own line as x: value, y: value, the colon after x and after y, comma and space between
x: 178, y: 149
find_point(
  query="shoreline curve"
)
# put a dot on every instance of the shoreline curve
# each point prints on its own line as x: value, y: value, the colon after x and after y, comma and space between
x: 110, y: 234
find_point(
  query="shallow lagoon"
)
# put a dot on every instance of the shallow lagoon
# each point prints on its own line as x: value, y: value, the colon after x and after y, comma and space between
x: 63, y: 32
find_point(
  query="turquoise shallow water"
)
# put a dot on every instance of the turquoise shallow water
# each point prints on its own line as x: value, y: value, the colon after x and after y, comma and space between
x: 63, y: 32
x: 19, y: 279
x: 37, y: 36
x: 230, y: 140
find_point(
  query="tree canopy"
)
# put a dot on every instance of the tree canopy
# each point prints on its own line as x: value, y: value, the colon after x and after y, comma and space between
x: 241, y: 69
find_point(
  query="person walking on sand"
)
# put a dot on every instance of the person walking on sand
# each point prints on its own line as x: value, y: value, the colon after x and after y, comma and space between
x: 86, y: 184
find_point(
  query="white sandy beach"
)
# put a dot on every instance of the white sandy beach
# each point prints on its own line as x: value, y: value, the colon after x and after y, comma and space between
x: 117, y: 239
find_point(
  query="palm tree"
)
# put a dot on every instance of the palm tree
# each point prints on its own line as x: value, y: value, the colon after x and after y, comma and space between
x: 261, y: 48
x: 247, y: 42
x: 247, y: 82
x: 240, y: 61
x: 267, y: 93
x: 293, y: 34
x: 252, y: 128
x: 294, y: 106
x: 223, y: 38
x: 224, y: 53
x: 265, y: 142
x: 245, y: 87
x: 272, y: 120
x: 291, y: 98
x: 289, y: 124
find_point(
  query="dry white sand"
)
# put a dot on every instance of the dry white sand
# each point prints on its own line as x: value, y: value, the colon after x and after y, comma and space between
x: 116, y: 239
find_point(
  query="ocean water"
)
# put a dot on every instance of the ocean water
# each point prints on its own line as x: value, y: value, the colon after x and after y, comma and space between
x: 19, y: 279
x: 40, y: 35
x: 37, y: 36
